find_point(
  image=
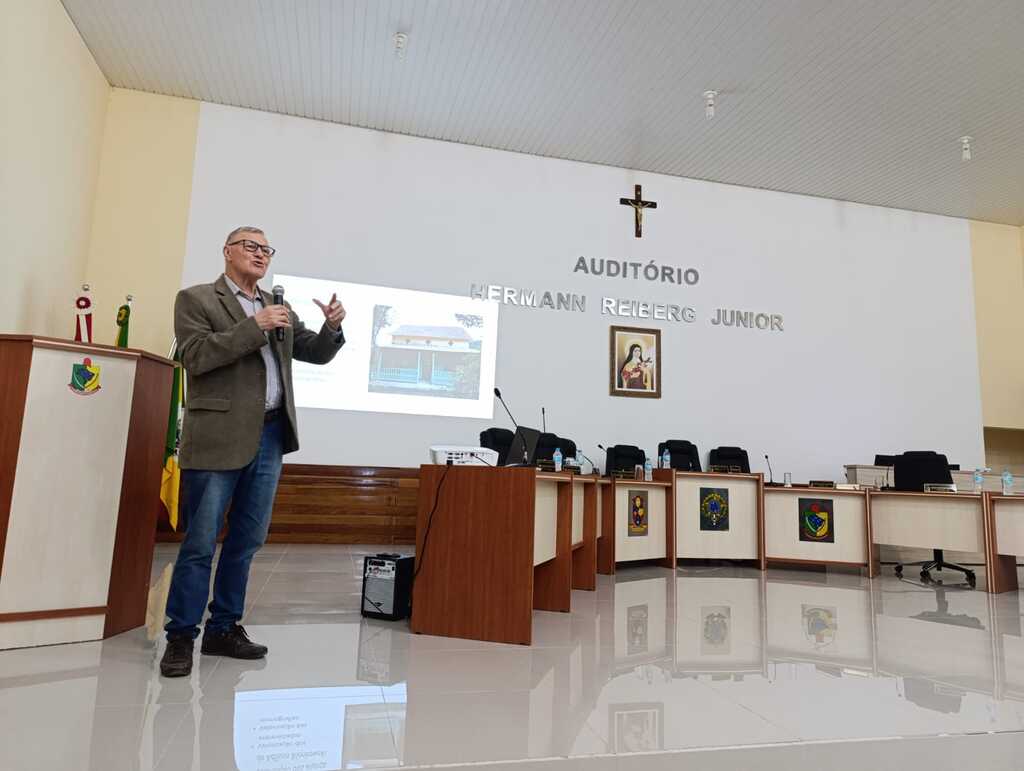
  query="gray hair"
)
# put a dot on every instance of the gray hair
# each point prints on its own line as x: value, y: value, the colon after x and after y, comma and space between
x: 243, y: 229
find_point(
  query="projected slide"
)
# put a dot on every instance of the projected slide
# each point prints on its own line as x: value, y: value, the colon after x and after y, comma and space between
x: 302, y: 729
x: 410, y: 352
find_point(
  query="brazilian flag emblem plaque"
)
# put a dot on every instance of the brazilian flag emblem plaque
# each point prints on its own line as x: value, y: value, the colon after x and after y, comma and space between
x: 85, y: 378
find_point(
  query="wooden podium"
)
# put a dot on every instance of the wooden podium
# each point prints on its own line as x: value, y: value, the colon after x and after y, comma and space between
x: 495, y: 544
x: 81, y: 453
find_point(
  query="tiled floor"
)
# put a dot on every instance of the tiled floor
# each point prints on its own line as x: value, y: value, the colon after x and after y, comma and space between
x: 652, y: 671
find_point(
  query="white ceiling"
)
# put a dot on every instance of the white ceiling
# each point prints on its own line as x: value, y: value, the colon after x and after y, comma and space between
x: 859, y: 100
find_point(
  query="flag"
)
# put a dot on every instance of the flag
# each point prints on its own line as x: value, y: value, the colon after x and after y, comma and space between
x: 123, y: 315
x: 83, y: 316
x: 170, y: 482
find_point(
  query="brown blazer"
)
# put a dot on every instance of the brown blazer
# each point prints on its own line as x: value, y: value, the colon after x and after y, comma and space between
x: 227, y: 383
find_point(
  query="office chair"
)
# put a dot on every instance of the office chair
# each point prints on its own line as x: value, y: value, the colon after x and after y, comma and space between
x: 623, y: 457
x: 499, y: 440
x: 885, y: 460
x: 912, y: 471
x: 547, y: 443
x: 729, y: 456
x: 568, y: 447
x: 684, y: 454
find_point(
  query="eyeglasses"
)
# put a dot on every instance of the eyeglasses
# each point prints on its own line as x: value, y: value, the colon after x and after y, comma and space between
x: 252, y: 247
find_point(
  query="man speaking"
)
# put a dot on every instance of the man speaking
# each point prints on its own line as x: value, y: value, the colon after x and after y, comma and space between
x: 236, y: 346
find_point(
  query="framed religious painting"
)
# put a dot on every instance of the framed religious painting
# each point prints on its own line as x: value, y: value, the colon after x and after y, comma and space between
x: 634, y: 362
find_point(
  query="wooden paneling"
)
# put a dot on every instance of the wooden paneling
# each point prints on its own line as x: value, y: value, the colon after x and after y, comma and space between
x: 44, y: 615
x: 475, y: 570
x: 1001, y: 568
x: 669, y: 475
x: 339, y: 504
x: 606, y: 543
x: 584, y: 558
x: 15, y: 362
x: 140, y: 497
x: 552, y: 580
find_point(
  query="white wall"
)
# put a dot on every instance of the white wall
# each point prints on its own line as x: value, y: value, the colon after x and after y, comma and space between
x: 878, y: 353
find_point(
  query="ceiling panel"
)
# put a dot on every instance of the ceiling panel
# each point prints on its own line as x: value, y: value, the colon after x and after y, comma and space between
x: 859, y: 100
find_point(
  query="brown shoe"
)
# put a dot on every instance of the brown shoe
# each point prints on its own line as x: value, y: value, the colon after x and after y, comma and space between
x: 234, y: 643
x: 177, y: 660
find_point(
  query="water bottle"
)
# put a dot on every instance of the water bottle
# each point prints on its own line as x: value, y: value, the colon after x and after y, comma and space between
x: 557, y: 458
x: 666, y: 459
x: 979, y: 480
x: 1007, y: 482
x: 648, y: 470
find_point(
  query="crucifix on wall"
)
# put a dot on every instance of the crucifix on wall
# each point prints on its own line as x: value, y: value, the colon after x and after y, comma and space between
x: 638, y: 205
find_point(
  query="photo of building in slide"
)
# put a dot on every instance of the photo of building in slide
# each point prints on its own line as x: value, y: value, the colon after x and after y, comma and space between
x: 436, y: 354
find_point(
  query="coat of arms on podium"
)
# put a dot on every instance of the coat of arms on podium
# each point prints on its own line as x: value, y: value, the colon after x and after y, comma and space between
x: 817, y: 520
x: 637, y: 512
x: 85, y: 378
x: 714, y: 508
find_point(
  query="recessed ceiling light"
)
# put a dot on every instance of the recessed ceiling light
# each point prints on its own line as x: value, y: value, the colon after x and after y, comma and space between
x: 965, y: 148
x: 401, y: 41
x: 709, y: 104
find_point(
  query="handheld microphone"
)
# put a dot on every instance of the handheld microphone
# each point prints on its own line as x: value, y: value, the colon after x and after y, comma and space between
x: 771, y: 476
x: 497, y: 393
x: 543, y: 420
x: 279, y: 300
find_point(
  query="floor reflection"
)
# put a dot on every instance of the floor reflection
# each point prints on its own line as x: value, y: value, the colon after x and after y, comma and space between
x: 653, y: 660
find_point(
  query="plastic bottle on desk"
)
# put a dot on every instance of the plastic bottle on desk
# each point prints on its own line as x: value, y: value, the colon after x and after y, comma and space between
x: 1007, y: 482
x: 666, y: 459
x: 557, y: 458
x: 979, y: 480
x: 648, y: 470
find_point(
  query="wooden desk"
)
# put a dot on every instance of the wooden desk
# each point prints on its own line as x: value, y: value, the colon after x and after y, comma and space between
x: 744, y: 538
x: 954, y: 521
x: 851, y: 528
x: 492, y: 545
x: 616, y: 544
x: 1006, y: 514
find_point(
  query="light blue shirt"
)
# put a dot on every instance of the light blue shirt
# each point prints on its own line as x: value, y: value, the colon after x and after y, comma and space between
x: 251, y: 306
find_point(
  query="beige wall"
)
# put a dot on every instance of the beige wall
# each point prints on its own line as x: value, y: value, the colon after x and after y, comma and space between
x: 998, y: 263
x: 53, y: 103
x: 141, y: 214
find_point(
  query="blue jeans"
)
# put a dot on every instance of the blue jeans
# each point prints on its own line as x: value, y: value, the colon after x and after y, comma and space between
x: 250, y: 491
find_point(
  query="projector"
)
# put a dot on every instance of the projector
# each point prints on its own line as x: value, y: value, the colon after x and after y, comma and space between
x: 459, y: 455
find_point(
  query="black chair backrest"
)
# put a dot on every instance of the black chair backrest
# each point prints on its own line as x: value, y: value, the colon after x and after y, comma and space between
x: 914, y: 469
x: 729, y: 456
x: 684, y: 454
x: 885, y: 460
x: 546, y: 445
x: 499, y: 440
x: 623, y: 457
x: 567, y: 446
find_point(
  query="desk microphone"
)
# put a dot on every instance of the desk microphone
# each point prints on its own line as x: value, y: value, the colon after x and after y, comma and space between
x: 497, y: 393
x: 526, y: 453
x: 580, y: 453
x: 543, y: 420
x: 771, y: 476
x: 482, y: 459
x: 279, y: 300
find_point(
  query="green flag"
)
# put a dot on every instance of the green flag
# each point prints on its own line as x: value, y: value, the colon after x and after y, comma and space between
x: 170, y: 483
x: 123, y: 316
